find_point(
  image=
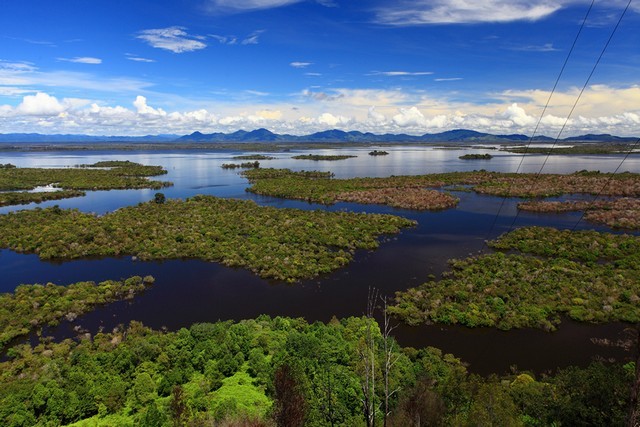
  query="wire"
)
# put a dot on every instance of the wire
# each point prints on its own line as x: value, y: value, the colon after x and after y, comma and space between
x: 555, y: 85
x: 584, y: 86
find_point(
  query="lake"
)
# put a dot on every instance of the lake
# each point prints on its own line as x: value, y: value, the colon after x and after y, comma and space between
x: 188, y: 291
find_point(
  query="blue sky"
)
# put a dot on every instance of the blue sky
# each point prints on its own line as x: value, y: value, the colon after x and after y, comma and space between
x: 298, y: 66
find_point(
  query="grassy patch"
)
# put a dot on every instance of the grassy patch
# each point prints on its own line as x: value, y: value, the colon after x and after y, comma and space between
x: 282, y: 244
x: 588, y: 276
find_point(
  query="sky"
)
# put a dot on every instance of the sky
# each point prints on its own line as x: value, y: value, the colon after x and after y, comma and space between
x: 149, y: 67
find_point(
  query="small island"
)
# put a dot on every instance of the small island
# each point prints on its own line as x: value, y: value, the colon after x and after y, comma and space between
x: 319, y: 157
x: 476, y: 157
x: 378, y: 153
x: 253, y: 157
x: 245, y: 165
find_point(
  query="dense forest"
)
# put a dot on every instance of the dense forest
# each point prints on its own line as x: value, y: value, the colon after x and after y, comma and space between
x: 287, y: 372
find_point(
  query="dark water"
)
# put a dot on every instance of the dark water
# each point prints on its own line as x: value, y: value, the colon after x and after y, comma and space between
x: 188, y: 291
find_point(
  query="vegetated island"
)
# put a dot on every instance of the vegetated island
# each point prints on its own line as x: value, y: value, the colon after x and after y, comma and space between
x: 245, y: 165
x: 616, y: 213
x: 410, y: 192
x: 321, y: 188
x: 253, y: 157
x: 585, y: 275
x: 476, y: 157
x: 287, y: 372
x: 281, y: 244
x: 107, y: 175
x: 35, y: 306
x: 582, y: 148
x: 320, y: 157
x: 378, y: 153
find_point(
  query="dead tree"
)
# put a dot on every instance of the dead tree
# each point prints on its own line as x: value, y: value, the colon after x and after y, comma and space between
x: 367, y: 354
x: 390, y: 358
x: 633, y: 415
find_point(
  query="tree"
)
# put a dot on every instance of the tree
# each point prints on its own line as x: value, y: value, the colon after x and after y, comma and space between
x: 159, y: 198
x: 367, y: 355
x: 290, y: 403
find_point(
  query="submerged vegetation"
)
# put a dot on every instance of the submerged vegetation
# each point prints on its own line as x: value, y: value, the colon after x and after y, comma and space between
x: 35, y: 306
x: 108, y: 175
x: 476, y: 157
x: 617, y: 213
x: 585, y: 275
x: 281, y: 244
x: 286, y: 372
x: 318, y: 157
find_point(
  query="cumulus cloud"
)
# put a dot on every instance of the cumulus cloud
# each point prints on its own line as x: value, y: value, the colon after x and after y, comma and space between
x: 420, y: 12
x: 377, y: 111
x: 40, y: 104
x: 82, y: 60
x: 174, y: 39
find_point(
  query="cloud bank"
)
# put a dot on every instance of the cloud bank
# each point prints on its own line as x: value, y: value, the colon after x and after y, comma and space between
x: 604, y: 110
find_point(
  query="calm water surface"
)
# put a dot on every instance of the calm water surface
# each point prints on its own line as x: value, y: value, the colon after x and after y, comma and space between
x: 188, y: 291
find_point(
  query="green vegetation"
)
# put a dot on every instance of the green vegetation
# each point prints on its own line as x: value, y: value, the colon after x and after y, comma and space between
x: 319, y: 188
x: 585, y: 275
x: 378, y: 153
x: 617, y: 213
x: 35, y: 306
x: 581, y: 148
x: 318, y: 157
x: 281, y: 244
x: 245, y: 165
x: 285, y: 371
x: 476, y: 157
x: 401, y: 192
x: 253, y: 157
x: 24, y: 197
x: 107, y: 175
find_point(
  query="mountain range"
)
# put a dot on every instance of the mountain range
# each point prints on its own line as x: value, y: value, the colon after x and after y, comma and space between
x: 333, y: 135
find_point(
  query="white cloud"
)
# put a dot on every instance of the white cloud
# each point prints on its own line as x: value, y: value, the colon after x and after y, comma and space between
x: 231, y: 40
x: 298, y: 64
x: 420, y: 12
x: 547, y: 47
x: 82, y: 60
x: 409, y: 117
x: 174, y: 39
x: 367, y: 110
x: 136, y: 58
x: 400, y: 73
x: 40, y: 104
x: 252, y: 38
x: 227, y: 6
x: 448, y: 79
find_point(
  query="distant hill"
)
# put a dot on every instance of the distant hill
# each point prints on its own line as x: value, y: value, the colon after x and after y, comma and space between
x: 333, y: 135
x: 37, y: 137
x: 336, y: 135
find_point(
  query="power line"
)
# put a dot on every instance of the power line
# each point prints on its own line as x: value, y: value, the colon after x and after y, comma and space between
x: 584, y: 86
x: 555, y: 85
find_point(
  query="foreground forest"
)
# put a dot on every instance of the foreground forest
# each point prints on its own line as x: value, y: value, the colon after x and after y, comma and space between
x: 287, y: 372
